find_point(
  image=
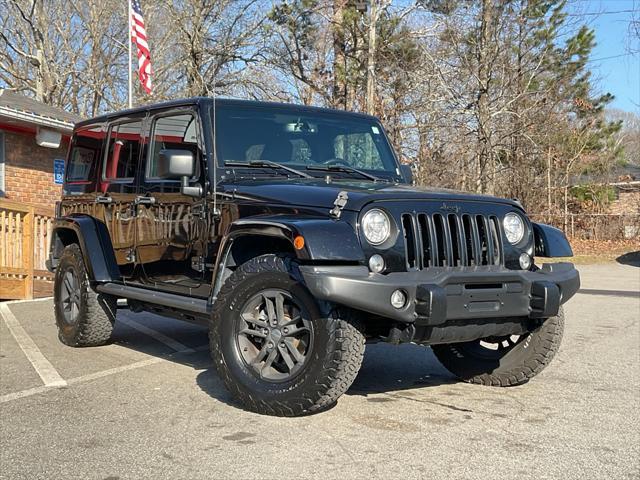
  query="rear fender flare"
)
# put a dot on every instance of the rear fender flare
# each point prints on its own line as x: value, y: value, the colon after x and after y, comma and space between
x: 95, y: 243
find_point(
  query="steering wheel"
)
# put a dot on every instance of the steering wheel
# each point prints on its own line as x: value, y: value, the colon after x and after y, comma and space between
x: 336, y: 161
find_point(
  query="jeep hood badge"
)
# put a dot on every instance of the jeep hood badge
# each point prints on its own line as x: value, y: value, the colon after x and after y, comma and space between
x: 450, y: 208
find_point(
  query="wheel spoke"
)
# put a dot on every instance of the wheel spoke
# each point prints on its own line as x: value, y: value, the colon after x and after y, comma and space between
x: 293, y: 321
x: 269, y: 361
x: 261, y: 354
x: 255, y: 319
x: 253, y: 333
x: 287, y: 358
x: 292, y: 348
x: 67, y: 283
x: 271, y: 313
x: 279, y: 308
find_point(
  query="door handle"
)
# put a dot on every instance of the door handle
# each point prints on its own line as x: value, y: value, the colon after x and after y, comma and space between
x: 104, y: 199
x: 145, y: 200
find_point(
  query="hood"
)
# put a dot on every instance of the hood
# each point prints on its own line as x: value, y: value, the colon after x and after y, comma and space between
x: 318, y: 193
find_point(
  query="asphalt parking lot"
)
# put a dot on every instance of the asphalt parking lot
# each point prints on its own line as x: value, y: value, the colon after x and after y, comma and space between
x: 149, y: 406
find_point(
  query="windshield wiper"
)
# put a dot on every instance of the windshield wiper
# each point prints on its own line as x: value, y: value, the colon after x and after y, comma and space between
x: 343, y: 168
x: 267, y: 164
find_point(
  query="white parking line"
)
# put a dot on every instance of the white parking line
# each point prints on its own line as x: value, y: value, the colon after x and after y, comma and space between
x: 42, y: 366
x: 160, y: 337
x: 104, y: 373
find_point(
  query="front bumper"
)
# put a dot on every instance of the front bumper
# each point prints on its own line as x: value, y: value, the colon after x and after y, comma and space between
x: 437, y: 295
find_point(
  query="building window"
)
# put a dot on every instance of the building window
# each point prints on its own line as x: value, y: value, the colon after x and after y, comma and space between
x: 2, y: 163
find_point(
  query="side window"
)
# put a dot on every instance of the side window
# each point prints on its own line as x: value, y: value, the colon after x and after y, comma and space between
x: 175, y: 132
x: 86, y: 149
x: 123, y: 149
x: 358, y: 150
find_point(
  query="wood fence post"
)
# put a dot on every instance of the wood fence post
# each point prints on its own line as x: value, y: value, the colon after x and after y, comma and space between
x: 27, y: 252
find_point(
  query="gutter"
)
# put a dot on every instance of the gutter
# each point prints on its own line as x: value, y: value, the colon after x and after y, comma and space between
x: 36, y: 119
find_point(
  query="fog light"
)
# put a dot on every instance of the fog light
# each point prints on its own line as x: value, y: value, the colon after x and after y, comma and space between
x: 525, y: 261
x: 398, y: 299
x: 376, y: 263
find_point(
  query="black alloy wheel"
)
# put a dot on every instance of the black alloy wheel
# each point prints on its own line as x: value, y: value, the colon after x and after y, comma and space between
x: 275, y: 335
x: 70, y: 295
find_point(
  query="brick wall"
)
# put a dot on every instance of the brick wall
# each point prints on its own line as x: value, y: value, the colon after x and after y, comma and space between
x: 29, y: 169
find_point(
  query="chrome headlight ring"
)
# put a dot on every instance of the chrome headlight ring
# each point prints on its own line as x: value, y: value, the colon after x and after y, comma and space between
x: 376, y: 226
x: 514, y: 228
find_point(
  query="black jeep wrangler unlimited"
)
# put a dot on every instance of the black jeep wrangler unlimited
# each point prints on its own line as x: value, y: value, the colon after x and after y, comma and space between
x: 295, y: 235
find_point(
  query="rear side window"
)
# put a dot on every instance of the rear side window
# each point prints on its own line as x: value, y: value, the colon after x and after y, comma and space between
x: 177, y: 132
x: 83, y: 157
x: 123, y: 151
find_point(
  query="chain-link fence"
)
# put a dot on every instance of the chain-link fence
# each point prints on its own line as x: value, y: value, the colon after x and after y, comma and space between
x: 594, y: 226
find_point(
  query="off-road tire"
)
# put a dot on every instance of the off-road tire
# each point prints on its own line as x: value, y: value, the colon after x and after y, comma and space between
x: 518, y: 365
x: 96, y: 313
x: 332, y: 366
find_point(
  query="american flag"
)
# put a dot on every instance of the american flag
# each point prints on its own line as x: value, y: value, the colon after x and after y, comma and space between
x: 139, y: 37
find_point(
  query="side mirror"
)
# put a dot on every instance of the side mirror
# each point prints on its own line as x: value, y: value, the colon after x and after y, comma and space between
x: 179, y: 164
x: 407, y: 173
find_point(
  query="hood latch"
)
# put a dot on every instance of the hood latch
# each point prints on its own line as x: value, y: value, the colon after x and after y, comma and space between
x: 339, y: 203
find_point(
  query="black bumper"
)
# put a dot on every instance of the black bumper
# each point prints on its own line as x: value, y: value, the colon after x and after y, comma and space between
x: 441, y: 294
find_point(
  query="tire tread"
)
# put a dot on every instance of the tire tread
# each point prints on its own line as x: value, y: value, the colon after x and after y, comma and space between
x: 342, y: 357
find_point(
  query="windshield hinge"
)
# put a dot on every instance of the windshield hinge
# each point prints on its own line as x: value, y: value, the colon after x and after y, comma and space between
x: 339, y: 203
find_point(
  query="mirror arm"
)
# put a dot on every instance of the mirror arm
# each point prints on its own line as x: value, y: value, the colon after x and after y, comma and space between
x: 190, y: 191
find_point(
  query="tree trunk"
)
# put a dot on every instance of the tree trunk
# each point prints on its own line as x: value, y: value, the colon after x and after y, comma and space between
x: 484, y: 181
x: 339, y: 99
x: 371, y: 59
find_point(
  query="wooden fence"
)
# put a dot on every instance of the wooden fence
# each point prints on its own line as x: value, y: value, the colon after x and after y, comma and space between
x: 25, y: 233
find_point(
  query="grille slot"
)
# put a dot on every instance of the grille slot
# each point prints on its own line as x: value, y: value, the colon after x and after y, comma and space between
x: 410, y: 243
x: 451, y: 240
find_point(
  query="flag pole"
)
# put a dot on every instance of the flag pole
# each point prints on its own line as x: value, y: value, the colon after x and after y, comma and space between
x: 130, y: 56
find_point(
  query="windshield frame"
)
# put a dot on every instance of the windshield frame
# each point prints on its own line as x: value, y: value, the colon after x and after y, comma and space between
x: 394, y: 174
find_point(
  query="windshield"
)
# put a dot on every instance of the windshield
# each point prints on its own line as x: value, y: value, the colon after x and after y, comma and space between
x: 308, y: 141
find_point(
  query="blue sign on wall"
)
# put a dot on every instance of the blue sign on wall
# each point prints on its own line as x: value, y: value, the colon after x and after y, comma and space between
x: 58, y: 171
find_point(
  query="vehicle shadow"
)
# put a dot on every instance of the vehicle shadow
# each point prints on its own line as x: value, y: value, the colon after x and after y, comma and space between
x: 386, y: 368
x: 390, y: 368
x: 630, y: 258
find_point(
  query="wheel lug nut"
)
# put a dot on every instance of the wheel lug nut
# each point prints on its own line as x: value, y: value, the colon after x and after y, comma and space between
x: 285, y: 330
x: 282, y: 345
x: 270, y: 345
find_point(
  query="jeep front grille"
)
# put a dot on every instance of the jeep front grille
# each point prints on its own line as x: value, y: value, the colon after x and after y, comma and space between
x: 451, y: 240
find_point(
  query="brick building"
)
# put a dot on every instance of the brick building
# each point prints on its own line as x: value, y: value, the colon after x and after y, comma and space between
x: 34, y: 138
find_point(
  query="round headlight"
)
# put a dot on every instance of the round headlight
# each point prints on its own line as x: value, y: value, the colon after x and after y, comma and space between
x: 513, y: 227
x: 376, y: 226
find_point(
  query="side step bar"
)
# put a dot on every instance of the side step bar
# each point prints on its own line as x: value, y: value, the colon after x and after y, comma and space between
x: 180, y: 302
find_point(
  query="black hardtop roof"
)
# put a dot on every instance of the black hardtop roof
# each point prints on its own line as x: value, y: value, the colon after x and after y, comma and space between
x: 219, y: 102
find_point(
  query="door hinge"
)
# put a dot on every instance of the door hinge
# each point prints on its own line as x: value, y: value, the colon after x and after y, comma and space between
x: 131, y: 255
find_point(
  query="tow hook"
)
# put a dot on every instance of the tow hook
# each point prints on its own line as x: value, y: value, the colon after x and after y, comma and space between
x: 397, y: 335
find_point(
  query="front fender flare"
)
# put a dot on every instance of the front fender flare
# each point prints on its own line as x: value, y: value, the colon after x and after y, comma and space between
x: 324, y: 239
x: 94, y: 241
x: 550, y: 241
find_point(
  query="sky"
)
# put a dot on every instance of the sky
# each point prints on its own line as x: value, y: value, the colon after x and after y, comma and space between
x: 619, y: 75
